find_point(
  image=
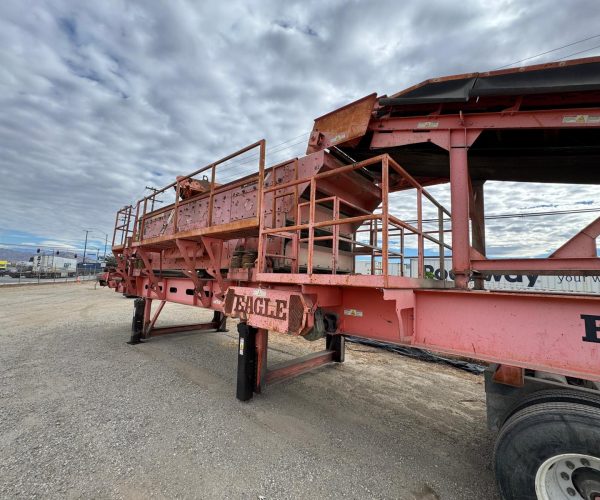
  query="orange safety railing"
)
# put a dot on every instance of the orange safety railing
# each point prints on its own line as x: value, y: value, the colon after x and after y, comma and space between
x: 145, y: 206
x: 382, y: 223
x: 123, y: 229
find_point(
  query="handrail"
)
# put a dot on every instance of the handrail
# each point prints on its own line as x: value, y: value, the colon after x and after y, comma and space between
x: 210, y: 194
x: 124, y: 228
x: 261, y: 143
x: 389, y: 223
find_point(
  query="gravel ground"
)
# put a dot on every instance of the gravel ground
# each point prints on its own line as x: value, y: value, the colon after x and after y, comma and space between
x: 84, y: 415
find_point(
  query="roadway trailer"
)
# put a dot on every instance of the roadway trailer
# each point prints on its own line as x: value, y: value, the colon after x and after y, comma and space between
x: 276, y: 249
x: 530, y: 282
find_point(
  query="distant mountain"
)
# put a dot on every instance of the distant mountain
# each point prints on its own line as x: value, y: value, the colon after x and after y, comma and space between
x: 15, y: 255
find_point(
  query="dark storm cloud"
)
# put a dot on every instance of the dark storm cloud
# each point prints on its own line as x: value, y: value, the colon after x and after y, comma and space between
x: 100, y: 99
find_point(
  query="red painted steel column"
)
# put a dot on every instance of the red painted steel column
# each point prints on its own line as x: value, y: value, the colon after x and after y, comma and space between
x: 459, y: 196
x: 385, y: 219
x: 262, y: 342
x: 478, y: 224
x: 147, y: 317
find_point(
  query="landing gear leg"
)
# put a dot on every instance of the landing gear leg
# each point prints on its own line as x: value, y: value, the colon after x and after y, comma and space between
x: 337, y: 344
x: 221, y: 320
x: 137, y: 324
x: 246, y: 373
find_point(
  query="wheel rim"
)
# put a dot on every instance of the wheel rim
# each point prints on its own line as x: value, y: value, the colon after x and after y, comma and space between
x: 570, y: 476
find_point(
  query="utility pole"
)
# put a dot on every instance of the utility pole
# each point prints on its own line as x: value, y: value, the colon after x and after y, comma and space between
x: 105, y: 243
x: 85, y: 247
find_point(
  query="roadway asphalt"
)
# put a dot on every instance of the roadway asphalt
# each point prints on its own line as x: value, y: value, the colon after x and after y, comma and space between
x: 84, y: 415
x: 7, y: 280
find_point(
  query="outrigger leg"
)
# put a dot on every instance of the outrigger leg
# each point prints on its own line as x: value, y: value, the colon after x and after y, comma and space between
x: 143, y: 324
x: 253, y: 373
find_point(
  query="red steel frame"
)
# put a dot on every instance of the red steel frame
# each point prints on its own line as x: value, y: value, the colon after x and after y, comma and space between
x: 542, y: 331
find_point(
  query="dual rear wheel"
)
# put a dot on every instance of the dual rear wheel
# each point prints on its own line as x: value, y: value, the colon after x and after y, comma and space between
x: 549, y: 448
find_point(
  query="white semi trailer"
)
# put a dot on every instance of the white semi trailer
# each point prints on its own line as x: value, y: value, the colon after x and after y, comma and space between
x: 533, y: 282
x: 54, y: 266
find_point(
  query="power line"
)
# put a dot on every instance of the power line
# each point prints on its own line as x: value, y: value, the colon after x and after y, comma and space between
x: 256, y: 154
x: 526, y: 214
x: 276, y: 150
x: 234, y: 168
x: 580, y: 52
x: 554, y: 50
x: 539, y: 214
x: 247, y: 159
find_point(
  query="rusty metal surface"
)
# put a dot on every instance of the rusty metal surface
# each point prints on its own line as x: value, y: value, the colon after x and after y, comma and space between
x: 342, y: 125
x: 298, y: 366
x: 275, y: 310
x: 509, y: 375
x: 273, y: 247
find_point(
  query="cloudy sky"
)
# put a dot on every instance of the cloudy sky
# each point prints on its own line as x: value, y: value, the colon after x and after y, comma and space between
x: 100, y: 99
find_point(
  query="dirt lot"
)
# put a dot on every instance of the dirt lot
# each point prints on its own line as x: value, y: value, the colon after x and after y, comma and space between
x: 85, y: 415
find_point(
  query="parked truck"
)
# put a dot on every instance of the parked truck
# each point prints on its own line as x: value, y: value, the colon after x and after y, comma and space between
x: 47, y: 267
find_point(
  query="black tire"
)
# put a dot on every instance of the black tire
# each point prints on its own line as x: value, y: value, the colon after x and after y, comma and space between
x: 537, y: 433
x: 555, y: 396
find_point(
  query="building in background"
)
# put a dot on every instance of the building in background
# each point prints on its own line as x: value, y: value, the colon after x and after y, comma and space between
x: 89, y: 267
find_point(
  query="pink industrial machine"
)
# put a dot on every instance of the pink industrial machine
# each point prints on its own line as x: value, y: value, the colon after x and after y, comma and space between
x: 278, y: 249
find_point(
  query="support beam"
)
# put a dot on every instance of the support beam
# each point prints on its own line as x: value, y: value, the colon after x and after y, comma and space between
x: 156, y: 315
x: 534, y: 119
x: 477, y: 209
x: 262, y: 343
x: 166, y: 330
x: 509, y: 375
x: 147, y: 316
x: 143, y: 322
x: 582, y: 245
x: 459, y: 195
x: 538, y: 331
x: 298, y: 366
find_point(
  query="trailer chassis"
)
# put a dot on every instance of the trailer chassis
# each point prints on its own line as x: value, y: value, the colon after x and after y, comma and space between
x: 544, y: 348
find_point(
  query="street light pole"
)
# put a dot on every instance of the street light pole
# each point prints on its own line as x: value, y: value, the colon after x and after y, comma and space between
x: 85, y: 247
x: 91, y: 230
